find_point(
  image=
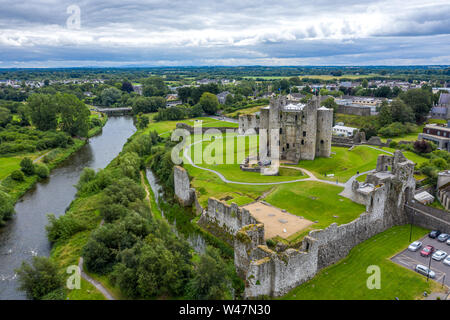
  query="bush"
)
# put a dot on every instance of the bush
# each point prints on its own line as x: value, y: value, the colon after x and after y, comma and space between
x: 6, y: 207
x: 17, y: 175
x: 422, y: 146
x: 39, y: 278
x: 42, y: 171
x: 27, y: 166
x: 63, y: 227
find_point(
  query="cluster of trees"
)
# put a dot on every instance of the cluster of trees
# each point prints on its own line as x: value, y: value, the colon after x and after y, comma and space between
x: 402, y: 115
x: 47, y: 112
x: 138, y: 253
x: 15, y: 139
x: 28, y: 168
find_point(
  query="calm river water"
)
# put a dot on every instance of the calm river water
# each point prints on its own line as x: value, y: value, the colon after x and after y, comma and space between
x: 25, y: 236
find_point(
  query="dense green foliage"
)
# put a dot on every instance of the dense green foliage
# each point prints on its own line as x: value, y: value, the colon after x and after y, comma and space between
x: 15, y: 139
x: 40, y: 278
x: 6, y: 207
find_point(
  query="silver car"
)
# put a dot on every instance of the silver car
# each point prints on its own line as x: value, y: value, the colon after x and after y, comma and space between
x: 416, y: 245
x: 447, y: 261
x: 439, y: 255
x: 448, y: 242
x: 425, y: 271
x: 443, y: 237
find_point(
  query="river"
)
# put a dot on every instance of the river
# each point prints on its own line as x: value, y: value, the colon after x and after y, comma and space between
x: 24, y: 236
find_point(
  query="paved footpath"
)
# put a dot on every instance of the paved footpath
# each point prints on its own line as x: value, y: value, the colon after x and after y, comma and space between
x: 95, y: 283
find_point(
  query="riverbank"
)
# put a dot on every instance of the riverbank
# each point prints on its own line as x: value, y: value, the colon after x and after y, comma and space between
x: 52, y: 158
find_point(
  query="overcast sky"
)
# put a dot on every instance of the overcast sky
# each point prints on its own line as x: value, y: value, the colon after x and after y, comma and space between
x: 45, y: 33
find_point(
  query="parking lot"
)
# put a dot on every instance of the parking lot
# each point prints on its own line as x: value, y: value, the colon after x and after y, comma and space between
x: 410, y: 259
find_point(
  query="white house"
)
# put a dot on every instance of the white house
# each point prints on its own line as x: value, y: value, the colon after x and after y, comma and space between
x: 344, y: 131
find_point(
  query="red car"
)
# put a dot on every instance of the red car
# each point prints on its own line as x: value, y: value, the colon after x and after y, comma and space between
x: 426, y: 251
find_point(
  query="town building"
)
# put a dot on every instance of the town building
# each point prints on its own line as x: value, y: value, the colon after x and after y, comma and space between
x: 437, y: 134
x: 344, y: 131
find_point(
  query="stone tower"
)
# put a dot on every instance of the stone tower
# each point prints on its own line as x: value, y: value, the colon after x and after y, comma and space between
x: 324, y: 132
x: 304, y: 129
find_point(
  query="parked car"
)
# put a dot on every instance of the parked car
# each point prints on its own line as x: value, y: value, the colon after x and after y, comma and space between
x: 427, y: 250
x: 443, y: 237
x: 434, y: 234
x: 425, y: 271
x: 416, y: 245
x: 448, y: 242
x: 447, y: 261
x: 439, y: 255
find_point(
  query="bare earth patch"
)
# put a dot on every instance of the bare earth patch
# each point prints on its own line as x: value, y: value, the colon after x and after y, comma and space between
x: 276, y: 222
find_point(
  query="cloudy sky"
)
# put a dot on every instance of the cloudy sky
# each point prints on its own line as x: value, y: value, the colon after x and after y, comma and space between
x: 50, y: 33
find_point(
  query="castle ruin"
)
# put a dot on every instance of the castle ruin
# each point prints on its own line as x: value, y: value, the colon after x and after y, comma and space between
x: 305, y: 130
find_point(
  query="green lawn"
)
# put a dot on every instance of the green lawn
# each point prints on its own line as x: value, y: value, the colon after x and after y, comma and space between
x: 315, y: 201
x: 346, y: 280
x: 8, y: 165
x: 239, y: 146
x: 165, y: 127
x: 209, y: 185
x: 250, y: 110
x: 344, y: 163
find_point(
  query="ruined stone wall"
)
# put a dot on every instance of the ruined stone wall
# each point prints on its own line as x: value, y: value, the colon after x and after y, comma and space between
x: 248, y: 122
x: 230, y: 218
x: 275, y: 273
x: 358, y: 111
x: 427, y: 220
x: 183, y: 191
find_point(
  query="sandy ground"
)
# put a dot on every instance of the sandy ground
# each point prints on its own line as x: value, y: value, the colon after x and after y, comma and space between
x: 277, y: 222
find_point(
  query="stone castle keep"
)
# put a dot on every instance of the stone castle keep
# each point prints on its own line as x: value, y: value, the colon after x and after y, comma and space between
x: 305, y: 130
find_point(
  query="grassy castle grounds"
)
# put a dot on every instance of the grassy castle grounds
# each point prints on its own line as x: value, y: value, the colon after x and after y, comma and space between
x: 346, y: 280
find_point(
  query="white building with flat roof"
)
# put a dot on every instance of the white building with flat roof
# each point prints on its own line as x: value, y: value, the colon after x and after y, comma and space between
x: 344, y: 131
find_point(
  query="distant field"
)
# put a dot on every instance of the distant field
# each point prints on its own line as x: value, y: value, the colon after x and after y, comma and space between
x: 320, y: 77
x: 346, y: 280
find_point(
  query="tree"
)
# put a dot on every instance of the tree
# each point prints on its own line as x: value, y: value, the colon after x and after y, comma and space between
x: 6, y: 207
x: 127, y: 86
x: 27, y: 166
x: 184, y: 93
x: 43, y: 111
x: 5, y: 116
x: 17, y: 175
x: 42, y: 171
x: 154, y: 86
x: 401, y: 112
x: 385, y: 115
x: 148, y: 104
x: 209, y: 103
x: 365, y: 83
x: 39, y: 278
x: 420, y: 101
x: 142, y: 121
x: 422, y: 146
x: 110, y: 96
x: 210, y: 279
x: 74, y: 115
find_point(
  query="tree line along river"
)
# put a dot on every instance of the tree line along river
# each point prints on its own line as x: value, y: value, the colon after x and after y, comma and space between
x: 24, y: 236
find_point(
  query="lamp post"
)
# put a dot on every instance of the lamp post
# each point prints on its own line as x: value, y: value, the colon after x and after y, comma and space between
x: 429, y: 268
x: 412, y: 222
